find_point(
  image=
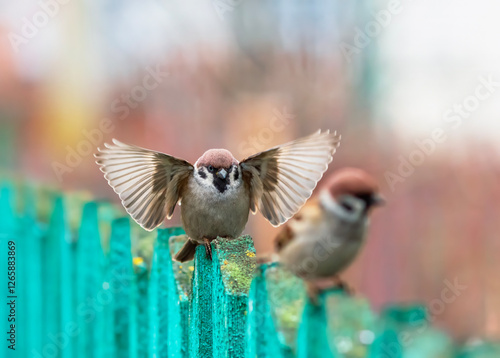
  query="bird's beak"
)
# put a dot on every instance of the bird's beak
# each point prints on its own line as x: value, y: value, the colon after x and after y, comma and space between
x: 378, y: 200
x: 222, y: 174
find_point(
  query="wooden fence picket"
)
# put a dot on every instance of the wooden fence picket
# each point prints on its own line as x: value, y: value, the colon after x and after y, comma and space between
x: 233, y: 265
x: 180, y: 287
x: 30, y: 279
x: 122, y: 286
x: 142, y: 308
x: 166, y: 318
x: 7, y: 233
x: 262, y: 337
x: 286, y: 298
x: 52, y: 281
x: 201, y: 318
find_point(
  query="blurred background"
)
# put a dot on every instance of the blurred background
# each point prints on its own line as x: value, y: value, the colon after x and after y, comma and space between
x: 413, y: 87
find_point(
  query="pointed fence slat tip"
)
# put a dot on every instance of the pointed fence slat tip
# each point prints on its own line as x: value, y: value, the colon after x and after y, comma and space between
x: 90, y: 209
x: 121, y: 222
x: 58, y: 217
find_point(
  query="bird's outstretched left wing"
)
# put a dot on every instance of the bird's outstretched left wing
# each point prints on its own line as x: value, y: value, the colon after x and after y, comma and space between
x: 149, y: 183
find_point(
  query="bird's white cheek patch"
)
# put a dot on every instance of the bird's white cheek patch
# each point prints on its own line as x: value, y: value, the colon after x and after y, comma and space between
x: 331, y: 205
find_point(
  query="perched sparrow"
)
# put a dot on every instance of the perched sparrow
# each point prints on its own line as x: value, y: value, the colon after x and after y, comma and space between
x: 328, y: 232
x: 218, y: 192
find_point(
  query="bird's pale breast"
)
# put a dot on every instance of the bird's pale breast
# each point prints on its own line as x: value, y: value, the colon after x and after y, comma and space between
x: 208, y: 213
x: 323, y: 249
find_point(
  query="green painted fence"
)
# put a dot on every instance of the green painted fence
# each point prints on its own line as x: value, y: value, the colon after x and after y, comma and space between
x: 82, y: 291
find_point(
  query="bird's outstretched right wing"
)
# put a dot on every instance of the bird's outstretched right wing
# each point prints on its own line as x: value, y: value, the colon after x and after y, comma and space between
x: 149, y: 183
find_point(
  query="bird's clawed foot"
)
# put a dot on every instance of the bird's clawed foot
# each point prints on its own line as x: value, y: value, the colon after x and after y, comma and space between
x: 343, y: 285
x: 208, y: 248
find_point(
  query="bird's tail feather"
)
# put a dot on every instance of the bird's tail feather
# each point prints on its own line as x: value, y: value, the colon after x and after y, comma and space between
x: 186, y: 253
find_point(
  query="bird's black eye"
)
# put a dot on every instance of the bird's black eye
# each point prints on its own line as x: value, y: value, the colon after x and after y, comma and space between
x: 347, y: 206
x: 210, y: 169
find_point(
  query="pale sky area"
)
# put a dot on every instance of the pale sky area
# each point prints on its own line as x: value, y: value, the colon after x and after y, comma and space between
x: 436, y: 52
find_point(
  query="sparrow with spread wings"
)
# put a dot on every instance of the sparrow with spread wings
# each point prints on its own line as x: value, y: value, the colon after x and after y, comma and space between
x: 217, y: 192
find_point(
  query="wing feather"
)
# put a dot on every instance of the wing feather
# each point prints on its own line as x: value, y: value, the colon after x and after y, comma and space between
x: 148, y: 183
x: 285, y: 176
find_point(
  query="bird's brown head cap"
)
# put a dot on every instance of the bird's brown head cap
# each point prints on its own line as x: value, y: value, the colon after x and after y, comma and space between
x: 217, y: 158
x: 351, y: 181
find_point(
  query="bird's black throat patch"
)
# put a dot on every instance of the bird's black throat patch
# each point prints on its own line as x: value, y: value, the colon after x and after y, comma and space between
x: 220, y: 184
